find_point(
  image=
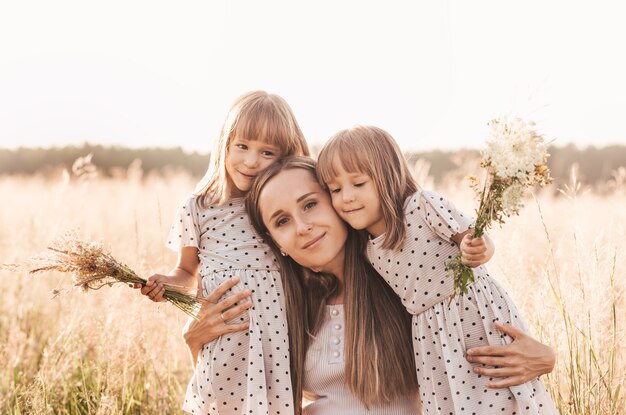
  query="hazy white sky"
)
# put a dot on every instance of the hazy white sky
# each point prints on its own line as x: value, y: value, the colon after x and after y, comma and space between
x: 163, y: 73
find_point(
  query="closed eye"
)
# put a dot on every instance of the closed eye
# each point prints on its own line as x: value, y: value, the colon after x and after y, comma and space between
x: 359, y: 184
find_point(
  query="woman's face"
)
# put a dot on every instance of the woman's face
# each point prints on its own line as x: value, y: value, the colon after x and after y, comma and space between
x: 301, y: 220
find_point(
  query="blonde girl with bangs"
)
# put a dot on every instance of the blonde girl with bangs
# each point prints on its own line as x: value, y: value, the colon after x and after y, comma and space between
x: 241, y: 371
x: 411, y: 234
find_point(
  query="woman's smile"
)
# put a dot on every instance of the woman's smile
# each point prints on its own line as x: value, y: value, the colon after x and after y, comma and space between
x: 315, y: 242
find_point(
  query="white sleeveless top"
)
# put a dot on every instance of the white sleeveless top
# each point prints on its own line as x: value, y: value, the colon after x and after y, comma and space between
x: 324, y: 375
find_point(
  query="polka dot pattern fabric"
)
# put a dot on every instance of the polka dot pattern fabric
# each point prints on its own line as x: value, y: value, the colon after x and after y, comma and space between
x: 443, y: 331
x: 245, y: 372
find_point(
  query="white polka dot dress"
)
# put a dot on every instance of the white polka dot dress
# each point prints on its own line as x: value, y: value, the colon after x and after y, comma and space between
x: 244, y: 372
x: 442, y: 332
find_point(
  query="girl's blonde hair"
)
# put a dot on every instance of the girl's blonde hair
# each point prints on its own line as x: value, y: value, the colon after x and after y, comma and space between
x: 255, y: 115
x: 379, y: 363
x: 372, y: 151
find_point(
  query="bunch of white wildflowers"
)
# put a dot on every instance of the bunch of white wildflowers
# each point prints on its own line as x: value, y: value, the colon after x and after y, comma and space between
x: 515, y: 149
x: 515, y: 159
x: 93, y: 267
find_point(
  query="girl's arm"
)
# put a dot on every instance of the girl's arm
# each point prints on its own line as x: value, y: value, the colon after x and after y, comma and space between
x: 183, y: 275
x: 213, y: 315
x: 474, y: 251
x: 522, y: 360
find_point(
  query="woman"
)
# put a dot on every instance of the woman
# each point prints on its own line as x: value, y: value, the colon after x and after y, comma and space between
x: 357, y: 363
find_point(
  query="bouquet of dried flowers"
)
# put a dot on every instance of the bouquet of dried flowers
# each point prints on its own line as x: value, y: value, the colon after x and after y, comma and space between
x: 515, y: 159
x: 93, y: 267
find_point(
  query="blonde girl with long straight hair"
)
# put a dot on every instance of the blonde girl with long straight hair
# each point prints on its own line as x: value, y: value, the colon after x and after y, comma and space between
x: 240, y: 372
x: 350, y: 337
x: 412, y: 233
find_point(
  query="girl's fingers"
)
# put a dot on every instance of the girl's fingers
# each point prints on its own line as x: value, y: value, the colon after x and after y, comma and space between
x: 475, y: 241
x: 150, y: 290
x: 156, y: 293
x: 470, y: 263
x: 160, y: 293
x: 474, y: 250
x: 222, y: 289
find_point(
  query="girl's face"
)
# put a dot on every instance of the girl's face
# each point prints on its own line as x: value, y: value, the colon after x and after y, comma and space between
x: 245, y: 159
x: 356, y: 200
x: 299, y: 216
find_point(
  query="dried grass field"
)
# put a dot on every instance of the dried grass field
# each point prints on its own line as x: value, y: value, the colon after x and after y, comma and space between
x: 112, y: 351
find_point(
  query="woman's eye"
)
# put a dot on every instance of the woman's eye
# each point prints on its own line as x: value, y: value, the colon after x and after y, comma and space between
x: 280, y: 222
x: 309, y: 205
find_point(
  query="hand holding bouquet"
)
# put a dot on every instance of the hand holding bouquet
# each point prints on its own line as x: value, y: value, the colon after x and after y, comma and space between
x: 515, y: 159
x: 93, y: 267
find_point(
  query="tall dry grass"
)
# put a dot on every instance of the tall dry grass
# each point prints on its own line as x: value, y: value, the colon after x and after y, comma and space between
x: 113, y: 351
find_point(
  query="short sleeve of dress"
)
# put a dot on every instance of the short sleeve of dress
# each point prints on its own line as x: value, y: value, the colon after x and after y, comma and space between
x: 185, y: 230
x: 440, y: 214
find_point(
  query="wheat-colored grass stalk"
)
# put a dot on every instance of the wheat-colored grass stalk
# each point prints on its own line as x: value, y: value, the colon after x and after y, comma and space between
x: 93, y: 267
x: 590, y: 374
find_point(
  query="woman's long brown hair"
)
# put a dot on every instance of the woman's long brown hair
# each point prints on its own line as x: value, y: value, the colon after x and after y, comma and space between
x: 379, y: 364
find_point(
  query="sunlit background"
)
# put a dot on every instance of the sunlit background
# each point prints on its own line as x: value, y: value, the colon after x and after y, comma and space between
x: 139, y: 73
x: 157, y: 73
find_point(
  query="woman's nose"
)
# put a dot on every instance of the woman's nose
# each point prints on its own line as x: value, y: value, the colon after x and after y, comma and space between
x: 303, y: 227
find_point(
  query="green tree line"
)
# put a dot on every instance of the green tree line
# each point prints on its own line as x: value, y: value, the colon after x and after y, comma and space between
x: 595, y: 165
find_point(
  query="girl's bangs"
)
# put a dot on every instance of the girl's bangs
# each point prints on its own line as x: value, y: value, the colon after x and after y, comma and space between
x: 352, y: 157
x: 266, y: 128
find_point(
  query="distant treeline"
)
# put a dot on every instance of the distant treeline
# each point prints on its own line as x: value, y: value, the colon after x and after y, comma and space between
x: 595, y: 165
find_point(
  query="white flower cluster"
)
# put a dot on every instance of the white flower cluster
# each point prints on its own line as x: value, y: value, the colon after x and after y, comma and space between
x: 515, y: 149
x: 512, y: 199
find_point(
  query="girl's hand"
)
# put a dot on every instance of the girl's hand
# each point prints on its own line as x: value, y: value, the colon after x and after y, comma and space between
x: 523, y: 360
x: 154, y: 288
x: 474, y: 251
x: 213, y: 317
